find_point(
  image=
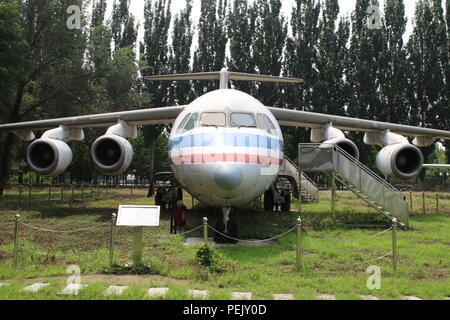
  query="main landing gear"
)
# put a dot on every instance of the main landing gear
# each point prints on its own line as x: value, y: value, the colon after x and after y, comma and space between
x: 279, y: 196
x: 226, y: 225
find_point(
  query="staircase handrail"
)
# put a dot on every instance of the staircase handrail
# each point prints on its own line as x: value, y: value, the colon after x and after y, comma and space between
x: 303, y: 176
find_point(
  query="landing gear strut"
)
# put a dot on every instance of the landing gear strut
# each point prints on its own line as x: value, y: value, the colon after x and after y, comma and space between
x: 226, y: 225
x: 278, y: 196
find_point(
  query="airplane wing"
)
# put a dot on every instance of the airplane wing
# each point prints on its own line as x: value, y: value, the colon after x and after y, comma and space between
x: 295, y: 118
x: 151, y: 116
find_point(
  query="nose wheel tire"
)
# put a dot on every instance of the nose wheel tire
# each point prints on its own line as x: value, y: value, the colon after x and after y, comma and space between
x: 232, y: 231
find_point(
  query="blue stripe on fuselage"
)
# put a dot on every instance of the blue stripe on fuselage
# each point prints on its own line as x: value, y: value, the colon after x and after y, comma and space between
x: 227, y: 139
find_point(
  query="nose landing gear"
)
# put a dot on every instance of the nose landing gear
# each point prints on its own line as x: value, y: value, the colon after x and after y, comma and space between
x: 226, y: 225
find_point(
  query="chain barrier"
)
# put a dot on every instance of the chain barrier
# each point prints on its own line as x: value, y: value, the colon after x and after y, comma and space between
x: 434, y: 245
x: 252, y: 241
x: 179, y: 234
x: 258, y: 266
x: 353, y: 240
x: 64, y: 255
x: 63, y: 231
x: 169, y: 259
x: 366, y: 262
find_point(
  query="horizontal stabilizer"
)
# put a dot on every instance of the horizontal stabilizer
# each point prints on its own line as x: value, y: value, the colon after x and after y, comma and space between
x: 186, y: 76
x: 224, y: 76
x: 261, y: 78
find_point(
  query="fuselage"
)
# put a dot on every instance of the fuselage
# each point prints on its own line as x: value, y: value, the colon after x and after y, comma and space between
x: 226, y: 148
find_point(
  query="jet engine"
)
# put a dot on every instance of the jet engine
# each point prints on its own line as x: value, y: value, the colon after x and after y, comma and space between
x: 49, y: 157
x: 402, y: 161
x: 329, y: 135
x: 347, y: 145
x: 112, y: 153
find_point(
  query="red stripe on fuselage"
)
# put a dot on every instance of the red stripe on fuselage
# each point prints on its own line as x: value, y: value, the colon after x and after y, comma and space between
x: 227, y: 158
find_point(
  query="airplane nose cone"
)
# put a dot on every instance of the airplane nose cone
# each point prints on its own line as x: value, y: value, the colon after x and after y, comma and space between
x: 228, y: 177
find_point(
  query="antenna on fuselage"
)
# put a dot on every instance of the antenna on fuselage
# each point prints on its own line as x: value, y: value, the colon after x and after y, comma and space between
x: 224, y: 76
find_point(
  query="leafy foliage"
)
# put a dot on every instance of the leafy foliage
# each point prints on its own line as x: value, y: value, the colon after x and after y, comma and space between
x: 208, y: 257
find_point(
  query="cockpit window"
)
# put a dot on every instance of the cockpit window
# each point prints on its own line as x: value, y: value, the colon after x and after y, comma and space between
x: 264, y: 123
x: 192, y: 123
x: 272, y: 126
x: 243, y: 120
x: 213, y: 119
x: 183, y: 123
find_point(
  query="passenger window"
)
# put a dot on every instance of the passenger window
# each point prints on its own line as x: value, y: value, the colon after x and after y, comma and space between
x: 243, y: 120
x: 214, y: 119
x: 192, y: 123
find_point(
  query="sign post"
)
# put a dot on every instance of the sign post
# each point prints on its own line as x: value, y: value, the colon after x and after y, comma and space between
x: 138, y: 217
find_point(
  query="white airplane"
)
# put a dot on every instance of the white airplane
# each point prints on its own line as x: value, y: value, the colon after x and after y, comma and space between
x: 226, y: 147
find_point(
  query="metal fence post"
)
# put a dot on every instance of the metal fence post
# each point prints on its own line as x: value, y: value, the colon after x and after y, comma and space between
x: 29, y: 194
x: 394, y: 244
x: 437, y: 203
x: 299, y: 244
x: 16, y: 238
x: 300, y: 193
x: 62, y: 192
x: 205, y: 230
x: 424, y: 211
x: 111, y: 241
x: 411, y: 201
x: 49, y: 192
x: 333, y: 196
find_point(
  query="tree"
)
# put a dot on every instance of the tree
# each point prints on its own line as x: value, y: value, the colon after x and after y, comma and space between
x: 123, y: 28
x: 241, y: 34
x: 155, y: 52
x: 180, y: 57
x: 394, y: 66
x: 363, y: 71
x: 329, y: 90
x: 50, y: 55
x: 428, y: 58
x: 271, y: 33
x: 301, y: 53
x: 212, y: 41
x: 300, y: 59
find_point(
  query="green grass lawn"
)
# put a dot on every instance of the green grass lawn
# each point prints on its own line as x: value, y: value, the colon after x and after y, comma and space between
x: 329, y: 266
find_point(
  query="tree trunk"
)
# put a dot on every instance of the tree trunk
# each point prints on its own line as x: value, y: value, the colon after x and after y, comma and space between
x: 5, y: 165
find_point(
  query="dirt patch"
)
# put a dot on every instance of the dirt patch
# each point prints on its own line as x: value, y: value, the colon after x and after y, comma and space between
x: 117, y: 279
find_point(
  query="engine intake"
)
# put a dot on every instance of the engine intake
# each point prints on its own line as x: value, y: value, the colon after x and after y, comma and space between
x: 400, y: 161
x: 49, y: 157
x: 112, y: 155
x: 347, y: 145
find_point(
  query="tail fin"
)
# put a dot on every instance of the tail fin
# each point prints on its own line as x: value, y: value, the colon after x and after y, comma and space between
x: 224, y: 76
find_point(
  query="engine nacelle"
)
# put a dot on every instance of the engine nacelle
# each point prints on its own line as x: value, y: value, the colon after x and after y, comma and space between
x: 112, y: 155
x: 347, y: 145
x: 49, y: 157
x: 402, y: 161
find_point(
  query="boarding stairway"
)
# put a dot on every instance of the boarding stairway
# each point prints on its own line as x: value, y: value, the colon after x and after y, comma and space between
x: 356, y: 177
x: 309, y: 190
